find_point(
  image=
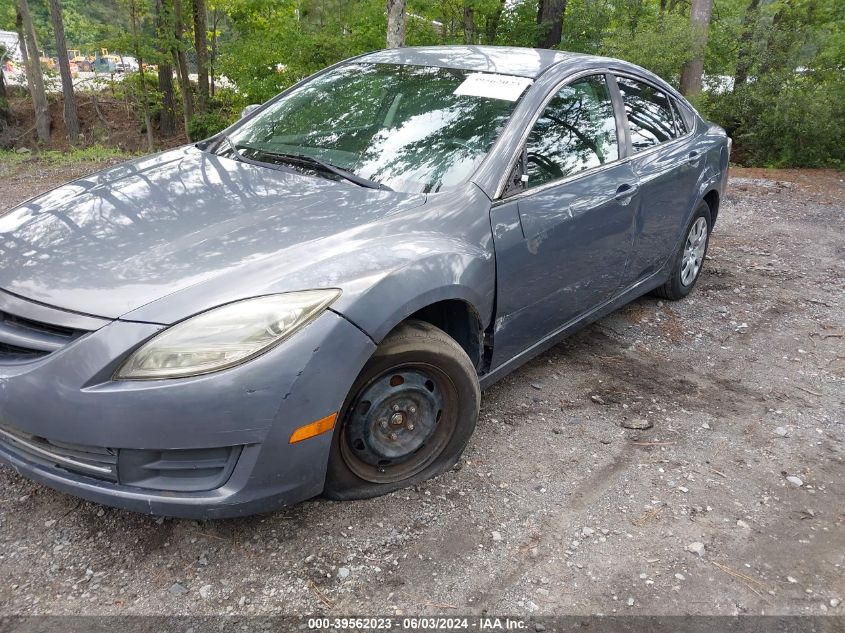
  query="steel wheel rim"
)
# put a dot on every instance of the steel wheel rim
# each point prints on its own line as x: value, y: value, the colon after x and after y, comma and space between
x: 399, y: 422
x: 694, y: 248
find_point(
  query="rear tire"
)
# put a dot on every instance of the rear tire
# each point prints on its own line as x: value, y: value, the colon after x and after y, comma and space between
x: 408, y: 416
x: 688, y: 260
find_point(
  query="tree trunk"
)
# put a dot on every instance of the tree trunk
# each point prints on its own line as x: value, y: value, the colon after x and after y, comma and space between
x: 164, y: 28
x: 5, y: 111
x: 395, y: 23
x: 71, y: 116
x: 213, y: 58
x: 492, y: 26
x: 550, y: 20
x: 145, y: 105
x: 469, y: 23
x: 201, y: 45
x: 693, y: 70
x: 745, y: 54
x: 181, y: 63
x: 167, y: 116
x: 35, y: 80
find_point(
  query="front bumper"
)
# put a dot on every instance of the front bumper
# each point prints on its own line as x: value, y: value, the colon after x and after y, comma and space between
x: 67, y: 397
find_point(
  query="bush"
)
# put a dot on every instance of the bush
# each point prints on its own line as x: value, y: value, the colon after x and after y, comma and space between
x: 224, y: 109
x: 204, y: 125
x: 784, y: 120
x: 130, y: 89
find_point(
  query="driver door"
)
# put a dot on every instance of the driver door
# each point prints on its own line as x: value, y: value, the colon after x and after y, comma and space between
x: 576, y: 211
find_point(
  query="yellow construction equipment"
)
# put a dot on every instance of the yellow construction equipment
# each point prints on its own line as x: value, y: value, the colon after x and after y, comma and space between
x: 78, y: 61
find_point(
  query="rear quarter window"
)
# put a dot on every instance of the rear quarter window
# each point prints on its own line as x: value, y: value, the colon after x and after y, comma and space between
x: 684, y: 116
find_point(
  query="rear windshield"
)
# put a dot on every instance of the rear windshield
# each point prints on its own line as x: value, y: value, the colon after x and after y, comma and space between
x: 410, y: 128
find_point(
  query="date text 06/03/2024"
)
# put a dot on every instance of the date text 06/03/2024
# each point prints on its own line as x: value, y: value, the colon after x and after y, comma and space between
x: 424, y: 623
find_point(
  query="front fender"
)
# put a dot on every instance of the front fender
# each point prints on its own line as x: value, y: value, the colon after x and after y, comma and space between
x: 467, y: 275
x: 445, y: 253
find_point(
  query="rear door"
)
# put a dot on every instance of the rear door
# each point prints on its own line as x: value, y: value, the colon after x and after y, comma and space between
x: 667, y: 165
x: 574, y: 197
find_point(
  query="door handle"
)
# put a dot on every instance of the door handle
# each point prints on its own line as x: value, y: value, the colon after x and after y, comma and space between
x: 694, y: 158
x: 625, y: 192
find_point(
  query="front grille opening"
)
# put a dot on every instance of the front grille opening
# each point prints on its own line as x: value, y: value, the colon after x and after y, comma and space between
x: 37, y: 326
x: 13, y: 352
x: 23, y: 340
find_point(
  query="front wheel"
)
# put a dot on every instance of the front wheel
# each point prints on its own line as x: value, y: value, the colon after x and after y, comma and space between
x: 408, y: 416
x: 689, y: 258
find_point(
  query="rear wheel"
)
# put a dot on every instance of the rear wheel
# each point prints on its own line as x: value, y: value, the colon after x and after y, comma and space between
x: 689, y: 258
x: 408, y: 416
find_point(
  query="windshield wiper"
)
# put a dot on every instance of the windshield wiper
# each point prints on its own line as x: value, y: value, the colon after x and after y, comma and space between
x: 234, y: 147
x: 302, y: 158
x: 338, y: 171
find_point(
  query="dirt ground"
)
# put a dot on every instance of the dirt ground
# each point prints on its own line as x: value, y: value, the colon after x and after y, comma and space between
x: 103, y: 118
x: 733, y: 503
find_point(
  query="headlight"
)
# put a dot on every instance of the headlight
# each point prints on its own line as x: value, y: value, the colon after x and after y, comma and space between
x: 226, y: 336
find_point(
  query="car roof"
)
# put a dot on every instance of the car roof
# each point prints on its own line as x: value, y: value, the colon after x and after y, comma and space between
x: 506, y: 60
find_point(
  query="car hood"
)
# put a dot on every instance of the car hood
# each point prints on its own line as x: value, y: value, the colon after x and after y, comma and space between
x: 113, y: 242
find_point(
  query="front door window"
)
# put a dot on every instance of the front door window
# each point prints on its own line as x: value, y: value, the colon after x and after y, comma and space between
x: 575, y: 132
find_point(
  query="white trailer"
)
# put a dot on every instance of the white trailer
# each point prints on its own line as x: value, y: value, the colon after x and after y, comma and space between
x: 9, y: 39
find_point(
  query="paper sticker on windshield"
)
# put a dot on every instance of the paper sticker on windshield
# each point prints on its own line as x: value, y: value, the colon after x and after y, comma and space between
x: 492, y: 86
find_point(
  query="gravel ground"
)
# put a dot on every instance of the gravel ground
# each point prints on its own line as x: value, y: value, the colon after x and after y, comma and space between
x: 732, y: 503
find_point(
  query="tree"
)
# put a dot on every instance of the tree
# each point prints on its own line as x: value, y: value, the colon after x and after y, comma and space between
x: 134, y: 19
x: 745, y: 54
x: 181, y: 63
x: 395, y: 23
x: 166, y: 45
x: 492, y: 26
x: 550, y: 20
x: 5, y: 111
x: 71, y: 117
x: 201, y: 45
x: 215, y: 23
x: 693, y: 70
x: 469, y: 22
x: 34, y: 79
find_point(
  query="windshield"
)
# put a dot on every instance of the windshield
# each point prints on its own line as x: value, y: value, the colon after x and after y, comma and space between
x: 407, y: 128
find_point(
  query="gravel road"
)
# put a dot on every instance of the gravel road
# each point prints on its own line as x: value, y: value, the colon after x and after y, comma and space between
x: 732, y: 503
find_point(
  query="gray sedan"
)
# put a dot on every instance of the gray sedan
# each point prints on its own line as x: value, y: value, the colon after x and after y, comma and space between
x: 312, y: 301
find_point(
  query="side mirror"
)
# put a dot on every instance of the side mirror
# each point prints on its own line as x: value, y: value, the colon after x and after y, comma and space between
x: 249, y: 110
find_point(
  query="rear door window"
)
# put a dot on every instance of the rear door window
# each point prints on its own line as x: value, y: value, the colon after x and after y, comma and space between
x: 649, y: 113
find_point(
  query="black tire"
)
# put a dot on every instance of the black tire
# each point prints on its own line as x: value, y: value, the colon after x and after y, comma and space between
x: 674, y: 289
x: 414, y: 347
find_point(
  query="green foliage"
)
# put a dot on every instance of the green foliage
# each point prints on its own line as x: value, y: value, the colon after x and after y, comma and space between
x: 519, y: 25
x: 784, y: 120
x: 74, y: 156
x: 224, y: 109
x: 87, y: 22
x: 129, y: 89
x: 261, y: 67
x: 791, y: 110
x: 661, y: 44
x: 204, y: 125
